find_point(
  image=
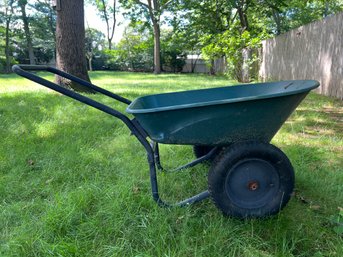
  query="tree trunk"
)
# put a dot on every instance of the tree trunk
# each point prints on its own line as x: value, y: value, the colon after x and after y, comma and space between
x: 154, y: 10
x: 212, y: 68
x: 22, y: 4
x: 276, y: 17
x: 246, y: 56
x: 7, y: 46
x: 70, y: 41
x: 90, y: 63
x: 241, y: 9
x: 8, y: 18
x: 242, y: 69
x: 52, y: 26
x: 110, y: 32
x: 194, y: 63
x: 157, y: 49
x: 326, y: 9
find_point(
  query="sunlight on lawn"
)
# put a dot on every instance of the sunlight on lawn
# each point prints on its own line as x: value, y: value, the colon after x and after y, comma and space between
x: 73, y: 182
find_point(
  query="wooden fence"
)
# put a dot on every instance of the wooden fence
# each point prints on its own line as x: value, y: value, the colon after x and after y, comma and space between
x: 199, y: 65
x: 313, y: 51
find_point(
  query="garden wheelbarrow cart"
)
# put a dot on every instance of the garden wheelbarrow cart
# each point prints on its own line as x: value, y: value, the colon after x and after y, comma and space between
x: 230, y: 127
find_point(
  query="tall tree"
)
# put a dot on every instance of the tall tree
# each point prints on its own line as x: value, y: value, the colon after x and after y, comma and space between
x: 22, y: 5
x: 43, y: 27
x: 45, y: 13
x: 107, y: 10
x: 93, y: 42
x: 282, y: 16
x: 234, y: 33
x: 70, y: 42
x: 135, y: 50
x: 219, y: 16
x: 153, y: 9
x: 242, y: 7
x: 7, y: 14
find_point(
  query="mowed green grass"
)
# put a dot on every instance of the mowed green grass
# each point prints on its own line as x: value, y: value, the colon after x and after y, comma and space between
x: 73, y: 182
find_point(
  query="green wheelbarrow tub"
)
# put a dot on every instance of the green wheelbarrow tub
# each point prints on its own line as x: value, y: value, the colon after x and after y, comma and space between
x: 220, y: 116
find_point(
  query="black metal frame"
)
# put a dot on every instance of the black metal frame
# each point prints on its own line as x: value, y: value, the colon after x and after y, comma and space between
x: 136, y: 129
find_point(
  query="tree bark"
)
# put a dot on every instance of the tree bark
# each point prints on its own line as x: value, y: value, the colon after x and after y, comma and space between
x: 326, y: 9
x: 276, y: 17
x: 70, y: 41
x: 242, y: 13
x: 52, y: 26
x: 157, y: 49
x: 89, y: 56
x: 110, y: 32
x: 212, y: 68
x: 90, y: 64
x: 8, y: 14
x: 154, y: 8
x: 242, y: 69
x: 7, y: 47
x: 51, y: 19
x: 22, y: 4
x: 246, y: 56
x: 194, y: 63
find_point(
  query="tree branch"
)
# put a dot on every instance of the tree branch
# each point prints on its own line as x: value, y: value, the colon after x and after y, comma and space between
x: 141, y: 3
x: 166, y: 3
x: 114, y: 19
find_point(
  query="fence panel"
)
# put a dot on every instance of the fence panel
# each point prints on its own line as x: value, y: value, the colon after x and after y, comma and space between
x: 313, y: 51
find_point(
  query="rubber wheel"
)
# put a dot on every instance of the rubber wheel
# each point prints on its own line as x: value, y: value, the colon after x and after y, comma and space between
x: 251, y: 179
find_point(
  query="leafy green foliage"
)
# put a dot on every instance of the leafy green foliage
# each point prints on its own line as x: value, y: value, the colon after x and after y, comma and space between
x: 41, y: 20
x: 228, y: 28
x: 173, y: 54
x: 107, y: 10
x: 221, y: 28
x: 231, y: 44
x: 94, y: 44
x: 2, y: 49
x: 134, y: 52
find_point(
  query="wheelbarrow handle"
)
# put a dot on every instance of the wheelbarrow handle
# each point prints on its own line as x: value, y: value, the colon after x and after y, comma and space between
x: 134, y: 127
x: 22, y: 70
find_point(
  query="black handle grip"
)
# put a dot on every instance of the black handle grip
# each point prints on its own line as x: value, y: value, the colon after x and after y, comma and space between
x: 27, y: 67
x: 134, y: 127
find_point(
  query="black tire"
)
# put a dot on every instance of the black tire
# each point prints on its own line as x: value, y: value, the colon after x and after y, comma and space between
x: 251, y: 179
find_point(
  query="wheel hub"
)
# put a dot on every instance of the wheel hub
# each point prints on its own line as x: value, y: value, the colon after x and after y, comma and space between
x: 252, y: 183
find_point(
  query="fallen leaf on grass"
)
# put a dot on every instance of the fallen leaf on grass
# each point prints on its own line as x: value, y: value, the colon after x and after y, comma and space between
x: 136, y: 190
x: 30, y: 162
x: 49, y: 181
x: 179, y: 219
x: 315, y: 207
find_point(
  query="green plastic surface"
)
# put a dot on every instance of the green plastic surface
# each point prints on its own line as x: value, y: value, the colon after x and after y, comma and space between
x: 220, y: 116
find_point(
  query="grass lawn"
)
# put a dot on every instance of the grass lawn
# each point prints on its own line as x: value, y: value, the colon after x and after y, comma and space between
x: 73, y: 182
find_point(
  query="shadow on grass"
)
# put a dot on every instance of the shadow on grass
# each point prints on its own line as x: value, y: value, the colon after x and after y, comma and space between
x: 38, y: 129
x: 77, y: 179
x: 54, y: 138
x: 317, y: 116
x: 321, y: 124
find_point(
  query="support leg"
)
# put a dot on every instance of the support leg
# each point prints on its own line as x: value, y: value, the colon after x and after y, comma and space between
x: 154, y: 189
x: 156, y: 150
x: 193, y: 163
x: 199, y: 160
